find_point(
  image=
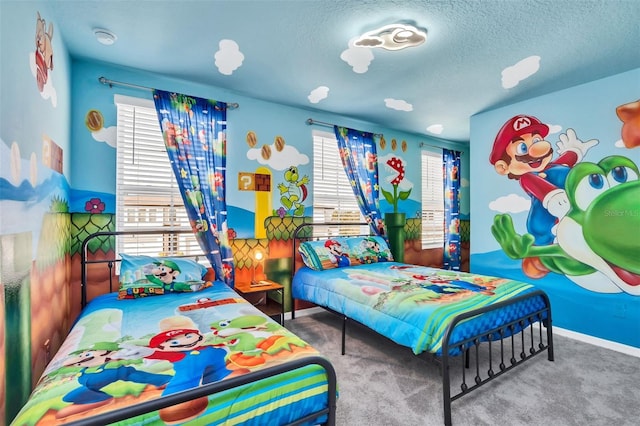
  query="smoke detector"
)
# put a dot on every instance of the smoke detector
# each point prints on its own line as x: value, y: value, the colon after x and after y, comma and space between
x: 105, y: 37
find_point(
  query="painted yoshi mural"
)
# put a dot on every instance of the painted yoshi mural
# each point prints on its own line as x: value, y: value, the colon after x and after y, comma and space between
x: 593, y: 247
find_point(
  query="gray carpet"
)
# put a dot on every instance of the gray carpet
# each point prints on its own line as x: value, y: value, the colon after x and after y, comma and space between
x: 382, y: 383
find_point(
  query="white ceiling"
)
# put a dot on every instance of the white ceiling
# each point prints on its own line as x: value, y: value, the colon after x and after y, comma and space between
x: 290, y: 48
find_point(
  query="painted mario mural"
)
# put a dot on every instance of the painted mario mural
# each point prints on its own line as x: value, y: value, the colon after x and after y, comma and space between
x: 522, y: 152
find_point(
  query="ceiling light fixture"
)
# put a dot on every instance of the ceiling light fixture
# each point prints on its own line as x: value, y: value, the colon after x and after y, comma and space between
x: 105, y: 37
x: 392, y: 37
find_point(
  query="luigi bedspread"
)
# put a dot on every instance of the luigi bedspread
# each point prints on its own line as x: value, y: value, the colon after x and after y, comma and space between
x: 122, y: 352
x: 412, y: 305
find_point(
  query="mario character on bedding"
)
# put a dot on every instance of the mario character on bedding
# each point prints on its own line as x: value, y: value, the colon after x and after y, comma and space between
x: 194, y: 363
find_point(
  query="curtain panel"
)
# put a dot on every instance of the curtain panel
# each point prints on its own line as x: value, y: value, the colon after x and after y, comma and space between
x: 360, y: 160
x: 194, y: 132
x: 451, y: 171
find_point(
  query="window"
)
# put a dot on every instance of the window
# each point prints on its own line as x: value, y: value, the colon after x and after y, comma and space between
x: 333, y: 198
x: 147, y: 195
x: 432, y: 200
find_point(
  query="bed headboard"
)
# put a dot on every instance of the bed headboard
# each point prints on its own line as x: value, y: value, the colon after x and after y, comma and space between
x: 112, y: 258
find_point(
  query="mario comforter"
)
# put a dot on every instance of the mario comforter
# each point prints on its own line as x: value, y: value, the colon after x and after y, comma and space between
x: 124, y: 352
x: 413, y: 305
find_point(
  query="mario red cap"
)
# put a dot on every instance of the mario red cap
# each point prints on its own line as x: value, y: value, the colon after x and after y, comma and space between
x: 330, y: 243
x: 160, y: 338
x: 516, y: 126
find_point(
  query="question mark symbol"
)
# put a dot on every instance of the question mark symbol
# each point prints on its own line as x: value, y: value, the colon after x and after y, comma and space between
x: 246, y: 180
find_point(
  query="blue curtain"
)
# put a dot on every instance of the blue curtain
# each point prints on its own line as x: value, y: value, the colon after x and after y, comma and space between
x: 194, y: 132
x: 360, y: 161
x: 451, y: 170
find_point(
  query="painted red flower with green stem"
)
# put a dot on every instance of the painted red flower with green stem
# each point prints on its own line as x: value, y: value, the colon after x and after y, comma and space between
x: 396, y: 165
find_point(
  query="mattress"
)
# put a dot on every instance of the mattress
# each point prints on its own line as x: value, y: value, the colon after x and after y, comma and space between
x: 413, y: 305
x: 123, y: 352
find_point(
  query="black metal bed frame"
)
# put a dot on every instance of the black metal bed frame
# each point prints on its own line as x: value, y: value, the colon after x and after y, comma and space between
x: 507, y: 345
x: 211, y: 388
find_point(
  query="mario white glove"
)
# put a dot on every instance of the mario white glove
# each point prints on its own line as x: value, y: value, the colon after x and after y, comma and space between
x: 557, y: 203
x: 570, y: 142
x: 130, y: 351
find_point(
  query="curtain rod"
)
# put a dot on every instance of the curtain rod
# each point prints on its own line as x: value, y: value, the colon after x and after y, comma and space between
x: 439, y: 147
x: 111, y: 83
x: 311, y: 121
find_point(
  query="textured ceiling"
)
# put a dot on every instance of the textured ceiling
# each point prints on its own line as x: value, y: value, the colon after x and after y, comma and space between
x: 290, y: 50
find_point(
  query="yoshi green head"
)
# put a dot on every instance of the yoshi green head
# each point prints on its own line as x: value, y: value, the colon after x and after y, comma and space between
x: 602, y: 228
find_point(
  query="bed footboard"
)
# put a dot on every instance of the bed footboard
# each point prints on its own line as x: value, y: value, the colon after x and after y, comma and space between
x: 212, y: 388
x: 492, y: 352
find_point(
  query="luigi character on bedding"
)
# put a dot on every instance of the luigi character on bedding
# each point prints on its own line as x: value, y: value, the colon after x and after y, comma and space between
x: 97, y: 367
x: 370, y: 249
x: 147, y: 276
x: 89, y: 378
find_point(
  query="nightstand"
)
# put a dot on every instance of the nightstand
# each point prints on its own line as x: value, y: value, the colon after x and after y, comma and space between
x: 258, y: 295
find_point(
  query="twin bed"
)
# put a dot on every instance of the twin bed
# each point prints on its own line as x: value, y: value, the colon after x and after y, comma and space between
x: 178, y: 350
x: 189, y: 351
x: 493, y: 324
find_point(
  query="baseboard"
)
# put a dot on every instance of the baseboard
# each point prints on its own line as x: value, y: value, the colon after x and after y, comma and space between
x: 607, y: 344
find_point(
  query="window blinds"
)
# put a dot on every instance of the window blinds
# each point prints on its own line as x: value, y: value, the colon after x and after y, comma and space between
x: 432, y: 200
x: 147, y: 195
x: 333, y: 198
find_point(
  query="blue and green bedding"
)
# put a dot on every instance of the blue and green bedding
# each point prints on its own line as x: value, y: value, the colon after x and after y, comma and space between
x: 124, y: 352
x: 413, y: 305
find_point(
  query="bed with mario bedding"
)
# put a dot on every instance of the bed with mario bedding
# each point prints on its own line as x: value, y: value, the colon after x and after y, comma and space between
x: 193, y: 353
x: 450, y: 316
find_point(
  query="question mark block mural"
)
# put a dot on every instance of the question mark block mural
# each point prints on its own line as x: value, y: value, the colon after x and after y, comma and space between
x: 246, y: 181
x: 260, y: 183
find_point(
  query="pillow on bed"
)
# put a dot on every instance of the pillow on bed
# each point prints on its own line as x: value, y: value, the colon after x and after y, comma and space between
x: 369, y: 249
x: 326, y: 254
x: 147, y: 276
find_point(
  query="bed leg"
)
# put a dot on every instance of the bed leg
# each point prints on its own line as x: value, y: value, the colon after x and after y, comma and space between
x: 446, y: 390
x: 549, y: 342
x: 344, y: 332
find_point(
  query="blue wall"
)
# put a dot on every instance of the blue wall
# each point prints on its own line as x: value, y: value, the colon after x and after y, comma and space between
x: 601, y: 303
x: 96, y: 178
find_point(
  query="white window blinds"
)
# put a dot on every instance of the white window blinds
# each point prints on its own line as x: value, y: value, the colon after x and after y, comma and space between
x: 432, y: 200
x: 333, y: 198
x: 147, y: 195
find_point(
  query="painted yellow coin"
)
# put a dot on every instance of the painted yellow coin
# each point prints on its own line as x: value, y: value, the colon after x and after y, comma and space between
x: 94, y: 120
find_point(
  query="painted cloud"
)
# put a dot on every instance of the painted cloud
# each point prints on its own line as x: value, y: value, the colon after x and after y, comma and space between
x: 278, y: 160
x: 228, y: 58
x: 398, y: 104
x: 359, y: 58
x: 511, y: 203
x: 513, y: 75
x: 318, y: 94
x: 106, y: 135
x: 435, y: 128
